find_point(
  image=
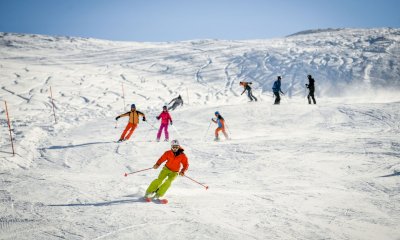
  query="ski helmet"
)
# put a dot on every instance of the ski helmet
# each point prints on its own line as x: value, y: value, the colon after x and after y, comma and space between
x: 133, y: 106
x: 279, y: 77
x: 174, y: 143
x: 216, y: 113
x: 164, y: 107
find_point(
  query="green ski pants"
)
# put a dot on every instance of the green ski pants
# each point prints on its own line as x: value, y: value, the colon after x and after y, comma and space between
x: 158, y: 186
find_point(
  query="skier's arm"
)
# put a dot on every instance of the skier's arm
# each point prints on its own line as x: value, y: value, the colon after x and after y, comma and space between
x: 185, y: 164
x: 141, y: 114
x: 162, y: 159
x: 122, y: 115
x: 243, y: 91
x: 170, y: 119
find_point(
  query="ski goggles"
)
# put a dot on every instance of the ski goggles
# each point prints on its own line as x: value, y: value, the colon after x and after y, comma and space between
x: 175, y: 147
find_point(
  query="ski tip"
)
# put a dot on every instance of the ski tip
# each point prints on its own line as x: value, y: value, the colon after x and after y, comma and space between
x: 125, y: 174
x: 163, y: 201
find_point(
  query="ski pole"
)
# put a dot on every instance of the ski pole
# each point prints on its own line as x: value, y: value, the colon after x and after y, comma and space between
x: 228, y: 128
x: 207, y: 131
x: 151, y: 125
x: 116, y: 123
x: 177, y: 132
x: 126, y: 174
x: 205, y: 186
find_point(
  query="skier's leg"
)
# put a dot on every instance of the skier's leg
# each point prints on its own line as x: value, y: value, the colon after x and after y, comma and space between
x: 249, y: 95
x: 164, y: 187
x: 128, y: 126
x: 309, y: 98
x: 313, y: 98
x: 159, y: 131
x: 131, y: 131
x: 253, y: 96
x: 166, y: 133
x: 155, y: 184
x: 216, y: 132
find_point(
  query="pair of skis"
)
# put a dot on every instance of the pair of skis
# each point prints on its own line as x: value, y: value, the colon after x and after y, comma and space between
x: 156, y: 200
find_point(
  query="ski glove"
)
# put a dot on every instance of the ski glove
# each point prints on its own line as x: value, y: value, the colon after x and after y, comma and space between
x: 182, y: 173
x: 117, y: 118
x: 158, y: 118
x: 171, y: 123
x: 156, y: 166
x: 144, y: 118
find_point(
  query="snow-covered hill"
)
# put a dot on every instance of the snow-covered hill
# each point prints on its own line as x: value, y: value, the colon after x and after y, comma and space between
x: 293, y: 171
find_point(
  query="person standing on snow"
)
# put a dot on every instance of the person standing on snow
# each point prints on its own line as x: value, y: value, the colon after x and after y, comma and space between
x: 246, y: 86
x: 175, y: 158
x: 311, y: 88
x: 276, y: 88
x: 132, y: 124
x: 221, y: 126
x: 165, y: 119
x: 177, y: 101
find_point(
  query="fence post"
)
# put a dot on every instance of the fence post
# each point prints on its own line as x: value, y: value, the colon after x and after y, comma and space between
x: 9, y: 128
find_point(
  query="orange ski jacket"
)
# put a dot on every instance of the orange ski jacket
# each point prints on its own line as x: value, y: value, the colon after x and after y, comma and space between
x: 133, y: 116
x: 174, y: 160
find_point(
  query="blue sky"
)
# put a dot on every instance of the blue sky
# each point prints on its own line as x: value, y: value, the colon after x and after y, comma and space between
x: 175, y: 20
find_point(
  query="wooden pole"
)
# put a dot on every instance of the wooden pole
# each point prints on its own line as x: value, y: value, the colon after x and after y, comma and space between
x: 123, y: 94
x: 9, y: 128
x: 52, y: 102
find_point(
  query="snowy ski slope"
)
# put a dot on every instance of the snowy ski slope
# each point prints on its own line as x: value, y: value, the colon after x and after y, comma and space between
x: 293, y: 171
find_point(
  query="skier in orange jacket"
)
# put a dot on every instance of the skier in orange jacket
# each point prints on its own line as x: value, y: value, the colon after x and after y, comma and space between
x: 175, y: 158
x: 132, y: 124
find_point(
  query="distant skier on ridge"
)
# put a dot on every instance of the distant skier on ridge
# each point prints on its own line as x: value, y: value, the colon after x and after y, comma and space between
x: 311, y: 88
x: 177, y: 101
x: 276, y: 88
x: 247, y: 87
x: 132, y: 124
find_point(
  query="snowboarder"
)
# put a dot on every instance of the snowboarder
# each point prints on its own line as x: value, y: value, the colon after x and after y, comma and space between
x: 165, y: 119
x: 221, y: 126
x: 246, y: 86
x: 132, y: 124
x: 311, y: 88
x: 276, y: 88
x: 175, y: 158
x: 177, y: 101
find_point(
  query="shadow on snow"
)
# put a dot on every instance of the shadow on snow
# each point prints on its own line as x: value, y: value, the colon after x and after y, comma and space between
x: 77, y: 145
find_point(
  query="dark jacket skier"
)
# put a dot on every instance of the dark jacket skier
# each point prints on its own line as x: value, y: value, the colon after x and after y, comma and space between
x: 311, y: 88
x: 247, y: 87
x: 276, y: 88
x: 177, y: 101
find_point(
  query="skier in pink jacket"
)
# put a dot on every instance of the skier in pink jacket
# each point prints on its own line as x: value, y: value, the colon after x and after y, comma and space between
x: 165, y: 119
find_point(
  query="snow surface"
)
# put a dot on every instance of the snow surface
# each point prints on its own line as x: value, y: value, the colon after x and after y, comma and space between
x: 293, y: 171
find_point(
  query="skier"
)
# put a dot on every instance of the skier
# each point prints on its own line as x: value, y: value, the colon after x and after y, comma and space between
x: 311, y: 88
x: 175, y: 158
x: 177, y: 101
x: 276, y: 88
x: 132, y: 124
x: 246, y: 86
x: 165, y: 119
x: 221, y: 126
